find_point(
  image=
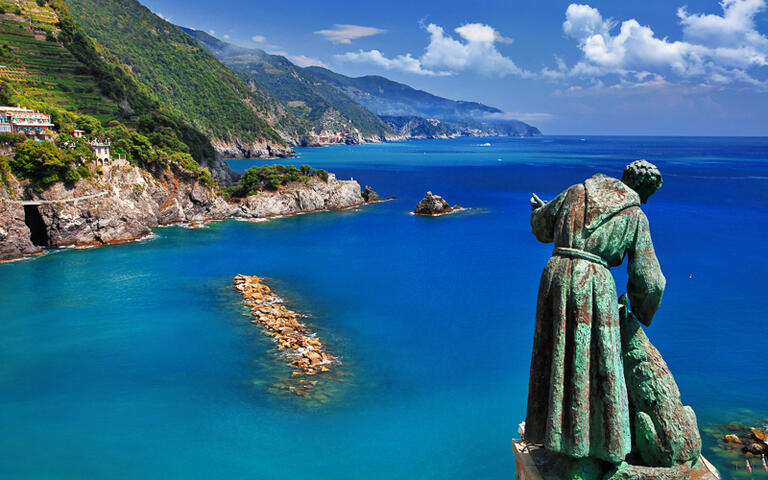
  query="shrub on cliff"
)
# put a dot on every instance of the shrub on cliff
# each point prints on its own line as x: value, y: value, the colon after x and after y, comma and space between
x: 271, y: 177
x: 44, y: 164
x: 8, y: 138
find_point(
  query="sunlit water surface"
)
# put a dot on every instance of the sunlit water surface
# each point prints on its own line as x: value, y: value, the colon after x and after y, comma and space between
x: 137, y: 361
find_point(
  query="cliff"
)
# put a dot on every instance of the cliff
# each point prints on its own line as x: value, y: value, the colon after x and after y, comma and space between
x: 125, y: 203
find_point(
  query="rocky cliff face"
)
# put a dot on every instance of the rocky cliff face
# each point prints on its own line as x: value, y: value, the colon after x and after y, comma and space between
x: 433, y: 205
x: 129, y: 202
x: 15, y: 238
x: 237, y: 149
x: 315, y: 196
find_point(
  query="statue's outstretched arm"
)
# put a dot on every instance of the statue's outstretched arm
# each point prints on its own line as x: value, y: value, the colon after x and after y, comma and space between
x: 544, y: 216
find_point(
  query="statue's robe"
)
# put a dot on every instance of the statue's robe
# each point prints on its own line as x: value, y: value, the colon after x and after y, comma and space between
x: 577, y: 398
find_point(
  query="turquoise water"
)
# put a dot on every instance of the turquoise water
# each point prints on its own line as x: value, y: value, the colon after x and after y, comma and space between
x: 137, y: 361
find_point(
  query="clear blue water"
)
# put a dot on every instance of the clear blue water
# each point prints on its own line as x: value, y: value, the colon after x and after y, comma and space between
x: 136, y: 361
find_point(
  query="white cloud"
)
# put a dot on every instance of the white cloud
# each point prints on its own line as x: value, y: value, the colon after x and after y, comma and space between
x: 167, y: 19
x: 211, y: 32
x: 475, y: 51
x: 225, y: 37
x: 716, y: 49
x: 305, y: 61
x: 405, y: 63
x: 259, y: 38
x: 346, y: 33
x: 532, y: 117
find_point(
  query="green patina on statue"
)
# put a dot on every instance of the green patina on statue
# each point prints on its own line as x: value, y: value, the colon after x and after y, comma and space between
x: 599, y: 392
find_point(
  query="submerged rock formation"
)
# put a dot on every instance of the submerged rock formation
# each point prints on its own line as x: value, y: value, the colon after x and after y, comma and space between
x: 125, y: 203
x: 434, y: 205
x: 302, y: 349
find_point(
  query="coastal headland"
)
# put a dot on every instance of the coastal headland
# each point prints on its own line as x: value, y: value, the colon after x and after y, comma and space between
x: 124, y: 203
x: 301, y: 348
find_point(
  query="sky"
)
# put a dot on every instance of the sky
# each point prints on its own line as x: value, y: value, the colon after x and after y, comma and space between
x: 656, y: 67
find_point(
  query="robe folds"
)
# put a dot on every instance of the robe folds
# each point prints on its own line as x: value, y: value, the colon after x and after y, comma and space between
x: 577, y: 396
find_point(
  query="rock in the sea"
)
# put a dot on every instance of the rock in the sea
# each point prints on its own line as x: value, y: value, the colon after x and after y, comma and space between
x: 756, y: 448
x: 369, y: 195
x: 432, y: 205
x: 731, y: 438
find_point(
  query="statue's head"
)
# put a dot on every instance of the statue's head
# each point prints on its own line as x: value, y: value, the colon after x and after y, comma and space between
x: 643, y: 177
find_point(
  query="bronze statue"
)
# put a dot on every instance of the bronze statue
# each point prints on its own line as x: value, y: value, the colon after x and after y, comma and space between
x: 591, y: 398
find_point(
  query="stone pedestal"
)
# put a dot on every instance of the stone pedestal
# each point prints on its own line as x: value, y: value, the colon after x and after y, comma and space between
x: 535, y: 463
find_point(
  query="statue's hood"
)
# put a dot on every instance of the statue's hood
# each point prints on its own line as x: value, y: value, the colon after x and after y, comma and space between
x: 605, y: 197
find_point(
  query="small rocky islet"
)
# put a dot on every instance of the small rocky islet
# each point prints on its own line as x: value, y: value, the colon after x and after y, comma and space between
x: 434, y: 205
x: 307, y: 357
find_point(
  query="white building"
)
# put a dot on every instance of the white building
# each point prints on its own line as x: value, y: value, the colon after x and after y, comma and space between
x: 101, y: 149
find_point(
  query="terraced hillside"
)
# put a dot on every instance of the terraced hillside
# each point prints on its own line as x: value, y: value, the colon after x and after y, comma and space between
x: 32, y: 57
x: 191, y: 82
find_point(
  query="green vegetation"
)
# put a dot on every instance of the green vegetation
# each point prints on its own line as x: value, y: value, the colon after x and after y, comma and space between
x: 44, y: 164
x: 271, y: 177
x: 316, y: 103
x: 12, y: 139
x: 155, y: 148
x: 192, y: 83
x: 73, y: 73
x: 5, y: 171
x: 44, y: 68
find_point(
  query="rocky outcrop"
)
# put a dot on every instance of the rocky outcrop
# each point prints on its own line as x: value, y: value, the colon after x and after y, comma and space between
x: 136, y: 202
x: 125, y: 203
x: 237, y: 149
x: 434, y: 205
x: 370, y: 195
x: 15, y: 237
x: 314, y: 196
x: 220, y: 170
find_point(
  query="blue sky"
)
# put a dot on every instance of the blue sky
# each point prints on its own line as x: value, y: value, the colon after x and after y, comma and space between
x: 654, y: 67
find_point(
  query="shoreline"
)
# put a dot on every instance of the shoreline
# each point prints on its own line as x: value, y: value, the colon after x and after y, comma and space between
x: 195, y: 225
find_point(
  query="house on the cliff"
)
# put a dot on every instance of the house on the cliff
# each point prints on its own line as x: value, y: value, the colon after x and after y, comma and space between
x: 101, y: 148
x: 31, y: 123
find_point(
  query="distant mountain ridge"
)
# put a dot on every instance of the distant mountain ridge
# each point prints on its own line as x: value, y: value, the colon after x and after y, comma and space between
x: 322, y: 110
x: 387, y: 97
x: 406, y: 109
x: 376, y: 107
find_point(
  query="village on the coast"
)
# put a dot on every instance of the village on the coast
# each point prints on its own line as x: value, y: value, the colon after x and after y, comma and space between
x: 38, y: 127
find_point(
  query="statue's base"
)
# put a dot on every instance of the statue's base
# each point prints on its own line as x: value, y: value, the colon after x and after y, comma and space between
x: 536, y: 463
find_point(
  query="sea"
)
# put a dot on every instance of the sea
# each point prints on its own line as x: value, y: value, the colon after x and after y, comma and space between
x: 138, y: 361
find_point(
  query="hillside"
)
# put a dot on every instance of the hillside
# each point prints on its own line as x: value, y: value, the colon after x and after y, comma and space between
x: 50, y: 64
x: 190, y: 81
x: 321, y: 107
x: 32, y: 58
x: 404, y: 108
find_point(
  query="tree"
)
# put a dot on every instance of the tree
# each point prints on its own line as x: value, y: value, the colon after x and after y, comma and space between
x: 44, y: 164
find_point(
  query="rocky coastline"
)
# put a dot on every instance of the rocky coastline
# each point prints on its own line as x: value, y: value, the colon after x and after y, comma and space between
x: 302, y: 350
x: 131, y: 202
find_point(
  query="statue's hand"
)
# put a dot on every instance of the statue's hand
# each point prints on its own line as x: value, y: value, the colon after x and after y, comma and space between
x: 536, y: 202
